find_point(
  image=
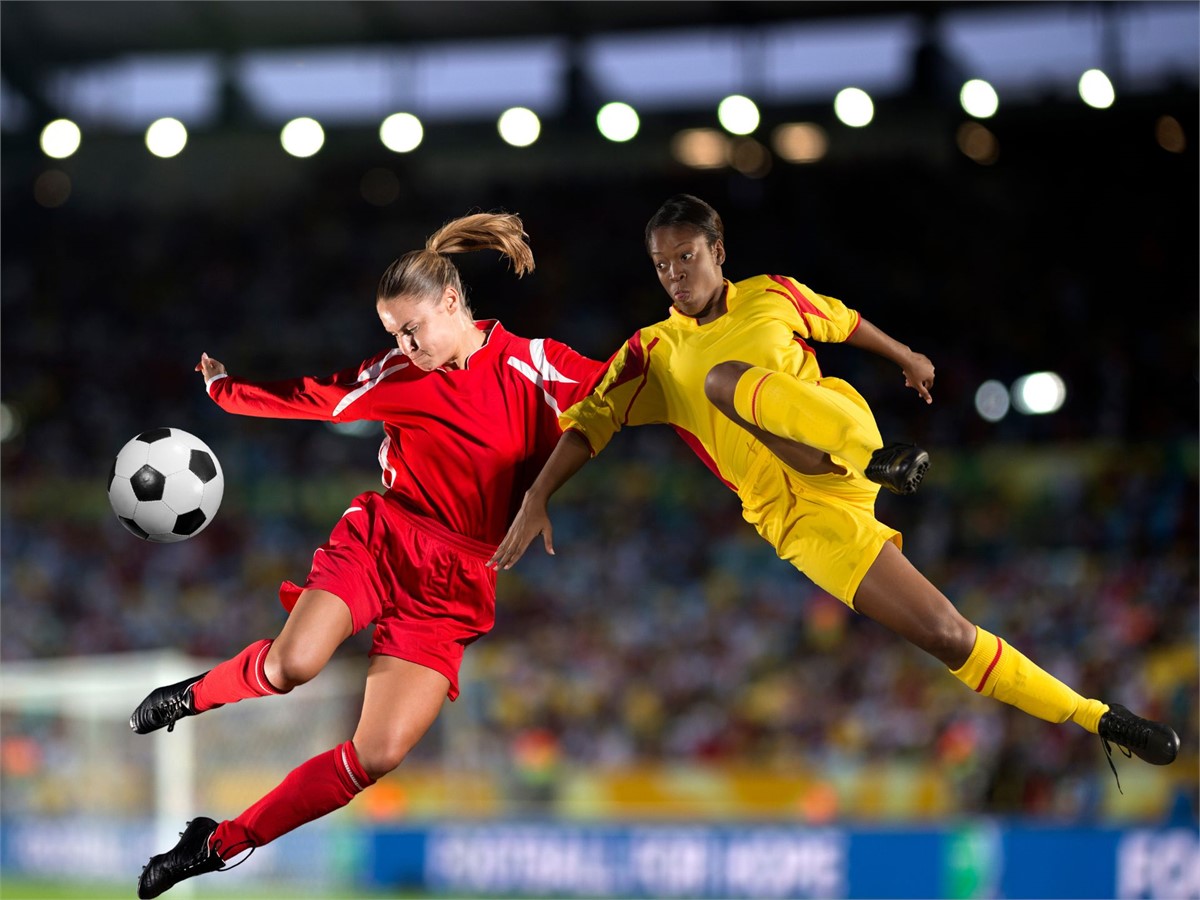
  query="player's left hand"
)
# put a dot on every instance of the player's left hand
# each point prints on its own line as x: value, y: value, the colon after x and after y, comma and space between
x: 530, y: 521
x: 918, y: 375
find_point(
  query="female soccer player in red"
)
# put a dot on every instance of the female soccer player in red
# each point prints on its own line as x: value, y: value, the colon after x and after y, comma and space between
x: 732, y: 372
x: 470, y: 413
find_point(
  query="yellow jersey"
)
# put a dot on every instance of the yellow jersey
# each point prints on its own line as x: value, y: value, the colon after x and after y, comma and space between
x: 658, y: 374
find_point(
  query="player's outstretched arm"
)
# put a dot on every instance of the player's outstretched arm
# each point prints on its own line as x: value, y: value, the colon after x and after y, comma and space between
x: 917, y: 367
x: 569, y: 455
x: 209, y: 367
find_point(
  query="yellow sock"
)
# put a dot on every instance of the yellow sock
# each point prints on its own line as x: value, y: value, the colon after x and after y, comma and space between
x: 807, y: 413
x: 997, y: 669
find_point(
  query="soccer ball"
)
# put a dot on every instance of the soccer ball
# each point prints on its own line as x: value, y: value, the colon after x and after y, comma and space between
x: 165, y: 485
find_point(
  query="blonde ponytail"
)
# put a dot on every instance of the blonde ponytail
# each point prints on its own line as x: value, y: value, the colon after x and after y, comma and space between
x: 426, y: 272
x: 486, y: 231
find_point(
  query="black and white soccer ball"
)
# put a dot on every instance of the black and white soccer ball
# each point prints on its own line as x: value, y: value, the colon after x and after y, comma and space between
x: 165, y: 485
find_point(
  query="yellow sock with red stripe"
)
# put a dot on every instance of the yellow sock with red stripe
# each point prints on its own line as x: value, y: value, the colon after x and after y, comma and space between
x: 997, y: 669
x: 807, y: 413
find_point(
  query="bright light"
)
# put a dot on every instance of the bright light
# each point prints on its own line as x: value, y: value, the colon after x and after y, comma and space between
x: 991, y: 401
x: 52, y: 188
x: 10, y: 422
x: 519, y: 126
x: 800, y: 142
x: 302, y: 137
x: 617, y: 121
x: 978, y: 99
x: 750, y: 158
x: 60, y: 138
x: 401, y: 132
x: 701, y: 148
x: 1038, y: 393
x: 978, y: 143
x: 166, y: 138
x: 853, y: 107
x: 1169, y: 134
x: 738, y: 114
x: 1096, y: 90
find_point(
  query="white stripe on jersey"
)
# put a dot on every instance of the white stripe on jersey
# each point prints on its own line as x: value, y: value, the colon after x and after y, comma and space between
x: 541, y: 371
x: 372, y: 375
x: 389, y: 473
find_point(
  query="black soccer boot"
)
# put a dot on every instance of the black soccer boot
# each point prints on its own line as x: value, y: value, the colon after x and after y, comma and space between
x: 1153, y: 742
x: 898, y: 467
x: 165, y: 706
x: 191, y: 856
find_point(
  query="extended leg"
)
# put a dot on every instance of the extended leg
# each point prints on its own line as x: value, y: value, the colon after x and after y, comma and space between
x: 900, y: 598
x: 319, y: 622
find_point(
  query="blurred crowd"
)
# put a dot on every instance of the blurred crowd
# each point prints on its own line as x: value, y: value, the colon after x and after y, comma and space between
x: 664, y: 629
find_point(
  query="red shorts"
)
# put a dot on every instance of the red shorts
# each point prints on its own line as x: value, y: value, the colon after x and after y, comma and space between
x: 427, y: 590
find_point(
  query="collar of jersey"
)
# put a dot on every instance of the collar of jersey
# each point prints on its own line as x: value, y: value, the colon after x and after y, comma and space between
x: 689, y: 322
x: 492, y: 329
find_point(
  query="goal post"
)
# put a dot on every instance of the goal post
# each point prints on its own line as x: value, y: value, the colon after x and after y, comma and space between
x: 72, y: 766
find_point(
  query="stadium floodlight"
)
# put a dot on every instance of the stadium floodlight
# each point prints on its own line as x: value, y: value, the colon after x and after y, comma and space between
x: 60, y: 138
x: 1096, y: 90
x: 519, y: 126
x: 1039, y: 393
x: 991, y: 401
x: 738, y: 114
x: 302, y: 137
x: 976, y: 142
x: 701, y: 148
x: 979, y: 99
x: 10, y: 422
x: 166, y: 137
x: 1170, y: 135
x: 854, y: 107
x: 800, y: 142
x: 401, y: 132
x: 618, y: 121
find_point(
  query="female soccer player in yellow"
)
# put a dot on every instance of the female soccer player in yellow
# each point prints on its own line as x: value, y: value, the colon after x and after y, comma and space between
x: 731, y: 370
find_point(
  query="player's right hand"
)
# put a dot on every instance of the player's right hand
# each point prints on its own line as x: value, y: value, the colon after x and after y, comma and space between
x: 209, y: 367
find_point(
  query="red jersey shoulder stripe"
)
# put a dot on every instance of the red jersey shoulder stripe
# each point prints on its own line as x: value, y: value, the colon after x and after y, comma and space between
x: 803, y: 305
x: 635, y: 361
x: 645, y: 367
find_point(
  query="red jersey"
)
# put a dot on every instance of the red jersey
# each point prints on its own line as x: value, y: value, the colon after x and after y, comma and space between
x: 460, y: 446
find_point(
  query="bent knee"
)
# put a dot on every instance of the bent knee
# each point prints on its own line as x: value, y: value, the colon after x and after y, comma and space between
x: 291, y: 667
x: 379, y: 758
x: 721, y: 382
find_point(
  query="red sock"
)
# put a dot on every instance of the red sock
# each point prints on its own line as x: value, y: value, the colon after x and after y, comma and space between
x: 235, y: 679
x: 319, y: 786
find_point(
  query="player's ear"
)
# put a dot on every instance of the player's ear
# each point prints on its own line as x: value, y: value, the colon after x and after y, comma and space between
x: 450, y: 299
x: 718, y: 251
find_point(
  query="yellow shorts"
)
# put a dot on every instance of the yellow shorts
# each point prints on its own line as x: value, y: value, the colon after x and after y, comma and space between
x: 824, y: 525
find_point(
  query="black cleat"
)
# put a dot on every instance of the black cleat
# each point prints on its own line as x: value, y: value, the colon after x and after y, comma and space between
x: 164, y: 707
x: 1153, y: 742
x: 898, y: 467
x: 191, y: 856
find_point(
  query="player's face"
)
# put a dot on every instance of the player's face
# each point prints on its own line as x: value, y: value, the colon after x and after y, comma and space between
x: 430, y: 332
x: 689, y: 268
